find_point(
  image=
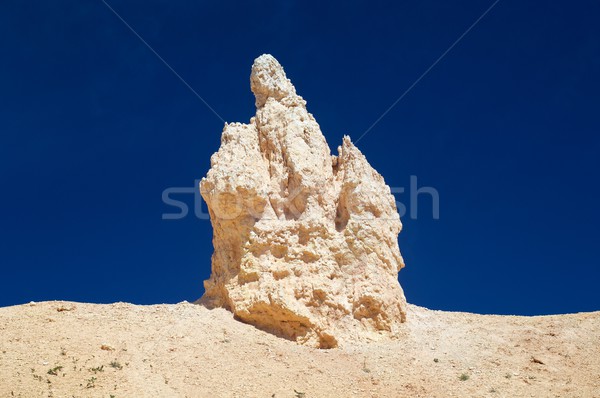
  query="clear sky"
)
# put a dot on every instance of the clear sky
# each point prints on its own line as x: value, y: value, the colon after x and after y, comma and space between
x: 94, y: 127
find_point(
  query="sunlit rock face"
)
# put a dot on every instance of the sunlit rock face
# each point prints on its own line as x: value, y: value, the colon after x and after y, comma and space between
x: 305, y: 242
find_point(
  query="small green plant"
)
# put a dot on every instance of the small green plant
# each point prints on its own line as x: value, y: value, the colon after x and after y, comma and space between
x: 97, y: 369
x: 299, y: 394
x: 116, y: 365
x: 91, y: 383
x: 364, y: 368
x: 436, y: 360
x: 507, y: 376
x: 463, y: 377
x: 54, y: 371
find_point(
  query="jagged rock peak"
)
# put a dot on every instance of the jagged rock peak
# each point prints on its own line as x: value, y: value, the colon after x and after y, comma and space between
x: 305, y: 242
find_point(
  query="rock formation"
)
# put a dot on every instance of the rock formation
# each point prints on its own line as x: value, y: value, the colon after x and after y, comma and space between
x: 305, y: 242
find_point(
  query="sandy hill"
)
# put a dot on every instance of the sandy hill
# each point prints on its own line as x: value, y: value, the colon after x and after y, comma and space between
x: 65, y: 349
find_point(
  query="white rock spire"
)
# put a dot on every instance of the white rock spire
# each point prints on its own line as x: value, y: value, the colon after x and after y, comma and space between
x: 305, y: 242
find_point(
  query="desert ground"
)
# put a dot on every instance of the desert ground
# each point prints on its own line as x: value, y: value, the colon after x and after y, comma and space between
x: 67, y: 349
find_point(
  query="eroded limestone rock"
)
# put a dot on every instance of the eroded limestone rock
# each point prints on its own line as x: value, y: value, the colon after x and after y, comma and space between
x: 305, y: 242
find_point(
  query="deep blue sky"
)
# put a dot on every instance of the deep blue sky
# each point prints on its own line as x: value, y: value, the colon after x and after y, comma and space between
x: 94, y: 127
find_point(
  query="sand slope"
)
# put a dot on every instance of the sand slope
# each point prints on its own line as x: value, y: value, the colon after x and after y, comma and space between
x: 64, y: 349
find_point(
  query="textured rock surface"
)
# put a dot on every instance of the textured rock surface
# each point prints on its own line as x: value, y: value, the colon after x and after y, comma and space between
x: 305, y: 242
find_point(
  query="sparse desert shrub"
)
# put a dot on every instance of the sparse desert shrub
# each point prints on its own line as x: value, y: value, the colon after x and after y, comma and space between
x: 54, y: 371
x: 116, y: 365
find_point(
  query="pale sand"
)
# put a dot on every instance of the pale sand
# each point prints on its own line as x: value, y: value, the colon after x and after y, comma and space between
x: 186, y: 350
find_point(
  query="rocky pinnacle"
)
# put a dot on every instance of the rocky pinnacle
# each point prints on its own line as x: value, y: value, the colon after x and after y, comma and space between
x: 305, y: 243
